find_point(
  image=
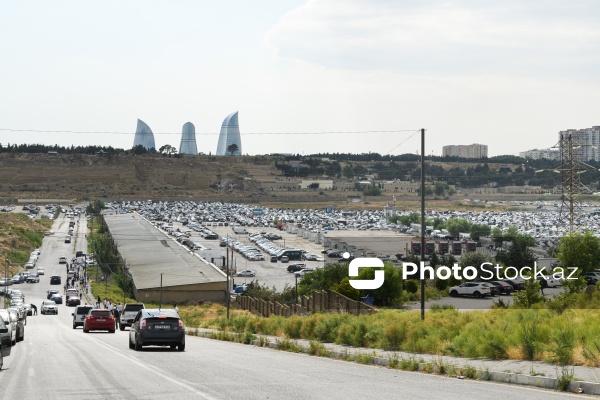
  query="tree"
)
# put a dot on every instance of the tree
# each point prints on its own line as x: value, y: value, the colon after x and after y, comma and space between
x: 581, y: 251
x: 167, y: 150
x: 314, y: 185
x: 479, y: 230
x: 348, y: 171
x: 457, y: 225
x: 519, y: 254
x: 232, y: 148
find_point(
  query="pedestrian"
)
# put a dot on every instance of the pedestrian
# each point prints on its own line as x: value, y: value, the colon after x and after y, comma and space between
x: 97, y: 304
x: 175, y: 307
x: 33, y: 309
x: 117, y: 314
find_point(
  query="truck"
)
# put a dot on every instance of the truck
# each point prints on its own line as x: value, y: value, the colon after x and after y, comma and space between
x: 471, y: 245
x: 415, y: 247
x: 456, y: 247
x: 429, y: 247
x: 443, y: 247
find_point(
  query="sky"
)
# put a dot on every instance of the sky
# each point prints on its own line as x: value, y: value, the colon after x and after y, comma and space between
x: 306, y: 77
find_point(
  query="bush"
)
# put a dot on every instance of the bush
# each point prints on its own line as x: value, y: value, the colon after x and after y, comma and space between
x: 411, y: 286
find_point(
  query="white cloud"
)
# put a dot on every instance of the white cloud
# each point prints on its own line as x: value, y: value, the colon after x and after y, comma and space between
x: 536, y: 38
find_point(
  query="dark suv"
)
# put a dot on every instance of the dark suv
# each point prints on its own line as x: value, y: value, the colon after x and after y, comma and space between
x: 55, y: 280
x: 295, y: 267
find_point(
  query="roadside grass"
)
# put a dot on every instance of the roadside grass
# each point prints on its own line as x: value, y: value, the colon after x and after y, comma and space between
x: 542, y: 335
x: 19, y: 235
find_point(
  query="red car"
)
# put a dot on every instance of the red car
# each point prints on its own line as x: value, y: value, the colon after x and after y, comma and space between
x: 99, y: 320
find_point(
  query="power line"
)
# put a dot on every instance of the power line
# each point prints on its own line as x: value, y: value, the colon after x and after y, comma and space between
x: 208, y: 133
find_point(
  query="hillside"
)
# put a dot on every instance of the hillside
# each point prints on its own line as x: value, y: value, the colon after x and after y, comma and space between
x: 19, y: 235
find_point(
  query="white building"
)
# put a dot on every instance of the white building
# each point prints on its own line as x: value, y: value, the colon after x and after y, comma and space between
x: 589, y: 139
x: 539, y: 154
x: 466, y: 151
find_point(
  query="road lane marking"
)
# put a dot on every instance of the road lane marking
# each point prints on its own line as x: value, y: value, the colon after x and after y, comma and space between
x: 154, y: 370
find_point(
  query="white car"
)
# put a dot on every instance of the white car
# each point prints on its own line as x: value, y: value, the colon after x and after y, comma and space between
x: 62, y: 260
x: 48, y: 307
x: 41, y: 271
x: 304, y: 271
x: 246, y: 272
x: 475, y: 289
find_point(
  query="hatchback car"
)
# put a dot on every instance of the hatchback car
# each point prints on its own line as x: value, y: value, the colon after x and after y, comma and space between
x: 157, y: 327
x: 99, y: 320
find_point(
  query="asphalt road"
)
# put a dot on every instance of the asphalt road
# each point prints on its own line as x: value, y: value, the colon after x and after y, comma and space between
x: 58, y: 362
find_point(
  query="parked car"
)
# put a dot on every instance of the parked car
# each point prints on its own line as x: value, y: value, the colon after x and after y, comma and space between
x: 475, y: 289
x: 284, y: 259
x: 157, y: 327
x: 98, y: 319
x: 19, y: 314
x: 591, y: 277
x: 128, y: 314
x: 11, y: 324
x: 304, y: 271
x: 503, y: 287
x: 79, y: 314
x: 5, y: 342
x: 246, y: 272
x: 493, y: 288
x: 295, y: 267
x: 517, y: 285
x: 310, y: 257
x: 48, y: 307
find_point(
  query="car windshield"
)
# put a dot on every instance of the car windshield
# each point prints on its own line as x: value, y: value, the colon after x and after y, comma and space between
x: 49, y: 303
x: 83, y: 310
x: 100, y: 313
x: 134, y: 307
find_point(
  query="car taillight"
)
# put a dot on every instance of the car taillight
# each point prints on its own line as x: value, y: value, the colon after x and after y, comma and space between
x: 143, y: 325
x: 180, y: 325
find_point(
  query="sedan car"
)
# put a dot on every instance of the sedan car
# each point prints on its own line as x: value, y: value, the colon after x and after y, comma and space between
x: 32, y: 279
x: 48, y: 307
x: 41, y: 271
x: 157, y: 327
x: 503, y: 287
x: 57, y: 298
x: 51, y: 292
x: 99, y: 319
x: 62, y: 260
x: 246, y: 272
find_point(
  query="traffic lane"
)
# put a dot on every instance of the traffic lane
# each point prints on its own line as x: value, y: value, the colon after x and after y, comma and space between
x: 64, y: 363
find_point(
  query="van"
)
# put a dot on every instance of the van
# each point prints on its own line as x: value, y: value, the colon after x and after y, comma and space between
x: 128, y: 314
x: 79, y: 315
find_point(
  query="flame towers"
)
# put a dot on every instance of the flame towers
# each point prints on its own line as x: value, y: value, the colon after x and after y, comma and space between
x: 230, y: 135
x: 143, y: 136
x: 188, y: 139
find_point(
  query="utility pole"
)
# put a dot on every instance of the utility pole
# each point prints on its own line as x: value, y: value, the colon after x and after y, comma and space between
x: 228, y: 299
x: 160, y: 303
x: 422, y: 221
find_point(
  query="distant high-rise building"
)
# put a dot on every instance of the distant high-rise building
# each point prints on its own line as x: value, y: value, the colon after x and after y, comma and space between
x: 230, y: 134
x: 545, y: 154
x: 143, y: 136
x: 466, y: 151
x: 188, y: 139
x: 589, y: 139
